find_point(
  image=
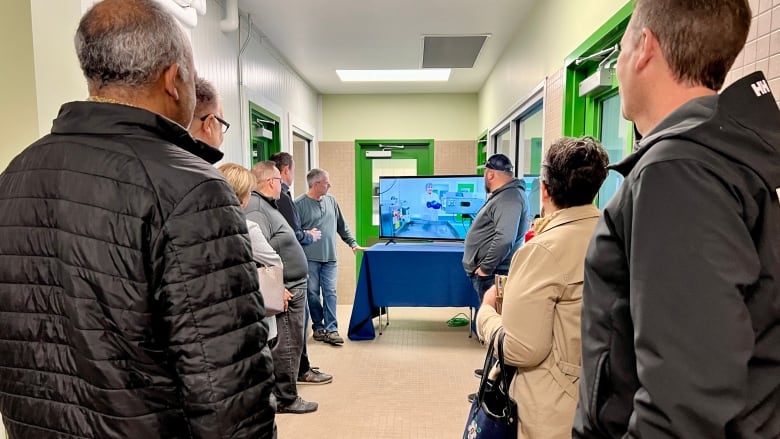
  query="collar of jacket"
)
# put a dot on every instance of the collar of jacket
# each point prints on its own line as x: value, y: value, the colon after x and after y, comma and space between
x: 99, y: 118
x: 285, y: 189
x: 268, y: 200
x: 740, y: 124
x: 514, y: 183
x: 570, y: 215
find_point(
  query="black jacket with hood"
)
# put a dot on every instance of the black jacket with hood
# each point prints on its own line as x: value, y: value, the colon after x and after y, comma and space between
x: 128, y: 296
x: 681, y: 304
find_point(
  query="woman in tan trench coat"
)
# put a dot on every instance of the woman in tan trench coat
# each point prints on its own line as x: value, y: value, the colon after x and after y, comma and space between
x: 543, y: 292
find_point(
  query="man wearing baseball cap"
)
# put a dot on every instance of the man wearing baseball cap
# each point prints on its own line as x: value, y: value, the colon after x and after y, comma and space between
x: 499, y: 227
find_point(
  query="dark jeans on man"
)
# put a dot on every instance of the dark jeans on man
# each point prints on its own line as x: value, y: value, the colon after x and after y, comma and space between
x: 305, y: 365
x: 483, y: 283
x: 289, y: 345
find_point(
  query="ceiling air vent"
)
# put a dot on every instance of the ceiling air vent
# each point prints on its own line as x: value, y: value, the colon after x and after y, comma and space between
x: 458, y: 51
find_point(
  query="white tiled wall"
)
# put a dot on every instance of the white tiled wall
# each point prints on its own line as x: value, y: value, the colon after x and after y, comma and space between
x: 762, y: 51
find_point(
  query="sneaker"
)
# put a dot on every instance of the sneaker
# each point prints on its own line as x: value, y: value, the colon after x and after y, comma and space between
x: 314, y: 376
x: 478, y: 373
x: 299, y: 406
x: 334, y: 338
x: 320, y: 335
x: 471, y: 397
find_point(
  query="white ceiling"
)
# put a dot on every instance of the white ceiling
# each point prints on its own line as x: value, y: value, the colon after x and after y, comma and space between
x: 319, y: 36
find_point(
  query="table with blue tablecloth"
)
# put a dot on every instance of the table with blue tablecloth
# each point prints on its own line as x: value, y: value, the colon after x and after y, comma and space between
x: 408, y: 274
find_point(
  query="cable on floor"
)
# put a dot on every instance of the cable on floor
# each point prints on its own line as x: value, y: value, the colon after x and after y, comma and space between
x: 457, y: 320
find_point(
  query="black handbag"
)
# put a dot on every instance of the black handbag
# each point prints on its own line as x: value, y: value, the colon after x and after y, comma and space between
x: 493, y: 413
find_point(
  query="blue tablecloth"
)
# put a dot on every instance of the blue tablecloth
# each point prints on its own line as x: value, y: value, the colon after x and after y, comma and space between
x: 408, y: 275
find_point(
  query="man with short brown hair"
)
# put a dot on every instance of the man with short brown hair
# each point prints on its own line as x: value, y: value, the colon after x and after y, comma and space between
x: 286, y: 166
x: 680, y: 316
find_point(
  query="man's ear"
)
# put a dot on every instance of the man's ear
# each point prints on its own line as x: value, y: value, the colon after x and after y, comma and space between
x: 207, y: 126
x: 647, y: 48
x: 169, y: 76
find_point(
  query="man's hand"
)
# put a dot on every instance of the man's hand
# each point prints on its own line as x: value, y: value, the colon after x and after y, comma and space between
x: 490, y: 297
x: 287, y: 296
x: 479, y: 272
x: 315, y: 234
x: 357, y: 248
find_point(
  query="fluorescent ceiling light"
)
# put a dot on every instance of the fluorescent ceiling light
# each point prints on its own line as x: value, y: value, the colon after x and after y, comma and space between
x: 394, y: 75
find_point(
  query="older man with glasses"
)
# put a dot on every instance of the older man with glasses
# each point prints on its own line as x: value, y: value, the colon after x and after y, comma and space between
x: 264, y: 210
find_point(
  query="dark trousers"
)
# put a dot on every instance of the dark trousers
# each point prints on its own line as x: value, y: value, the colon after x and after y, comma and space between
x: 289, y: 345
x: 305, y: 365
x: 483, y: 283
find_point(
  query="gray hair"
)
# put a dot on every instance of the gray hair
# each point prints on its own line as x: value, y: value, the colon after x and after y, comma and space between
x: 264, y: 170
x: 205, y: 95
x: 130, y: 43
x: 314, y: 176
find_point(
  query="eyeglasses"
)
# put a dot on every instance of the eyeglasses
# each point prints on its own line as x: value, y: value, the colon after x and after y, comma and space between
x: 276, y: 178
x: 222, y: 121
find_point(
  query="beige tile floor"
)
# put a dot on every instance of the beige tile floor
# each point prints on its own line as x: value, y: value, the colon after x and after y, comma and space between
x: 410, y: 382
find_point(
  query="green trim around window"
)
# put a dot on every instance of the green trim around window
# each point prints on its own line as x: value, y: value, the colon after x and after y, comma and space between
x: 482, y: 154
x: 262, y: 121
x: 580, y: 114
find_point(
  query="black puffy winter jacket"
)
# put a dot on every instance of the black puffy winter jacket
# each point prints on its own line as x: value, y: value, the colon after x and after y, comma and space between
x: 128, y: 297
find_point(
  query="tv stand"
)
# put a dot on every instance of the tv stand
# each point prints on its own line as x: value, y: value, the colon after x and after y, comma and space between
x: 391, y: 241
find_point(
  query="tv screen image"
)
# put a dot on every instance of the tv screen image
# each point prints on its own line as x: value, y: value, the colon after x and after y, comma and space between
x: 429, y: 207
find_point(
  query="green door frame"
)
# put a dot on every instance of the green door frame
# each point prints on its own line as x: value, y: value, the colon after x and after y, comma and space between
x: 582, y: 115
x: 260, y: 147
x: 482, y: 154
x: 365, y: 230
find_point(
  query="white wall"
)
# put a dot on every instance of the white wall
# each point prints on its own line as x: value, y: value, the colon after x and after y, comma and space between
x: 268, y: 81
x: 58, y: 78
x: 550, y: 32
x: 18, y: 108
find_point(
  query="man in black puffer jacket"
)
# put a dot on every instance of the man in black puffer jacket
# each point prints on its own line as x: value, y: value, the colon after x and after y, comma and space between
x: 128, y: 296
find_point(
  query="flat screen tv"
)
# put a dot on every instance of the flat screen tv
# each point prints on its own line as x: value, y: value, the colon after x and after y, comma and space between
x: 438, y: 207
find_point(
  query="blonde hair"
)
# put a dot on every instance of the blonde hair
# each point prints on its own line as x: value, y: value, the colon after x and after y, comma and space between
x: 239, y: 178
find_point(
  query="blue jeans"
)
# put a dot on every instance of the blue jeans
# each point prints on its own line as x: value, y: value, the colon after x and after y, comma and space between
x: 322, y: 276
x: 287, y: 351
x: 483, y: 283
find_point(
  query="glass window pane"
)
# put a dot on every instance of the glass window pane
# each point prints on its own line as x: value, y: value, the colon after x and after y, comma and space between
x: 387, y: 168
x: 615, y: 132
x: 503, y: 146
x: 530, y: 132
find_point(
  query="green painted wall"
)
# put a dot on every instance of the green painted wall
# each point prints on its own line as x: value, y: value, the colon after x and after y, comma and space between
x: 405, y: 116
x: 18, y: 110
x: 550, y: 32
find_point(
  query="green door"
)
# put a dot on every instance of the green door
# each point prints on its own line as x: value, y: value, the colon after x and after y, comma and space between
x: 264, y: 134
x: 376, y: 158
